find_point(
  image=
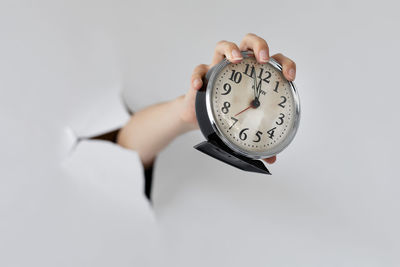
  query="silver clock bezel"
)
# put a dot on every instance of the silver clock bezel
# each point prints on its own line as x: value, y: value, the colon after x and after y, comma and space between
x: 253, y: 155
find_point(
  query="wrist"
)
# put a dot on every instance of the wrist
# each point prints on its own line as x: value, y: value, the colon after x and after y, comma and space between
x: 186, y: 115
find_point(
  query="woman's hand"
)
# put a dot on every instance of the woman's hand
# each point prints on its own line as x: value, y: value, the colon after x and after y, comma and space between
x: 231, y: 51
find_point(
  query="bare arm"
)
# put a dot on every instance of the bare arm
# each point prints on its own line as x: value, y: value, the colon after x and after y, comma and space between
x: 150, y: 130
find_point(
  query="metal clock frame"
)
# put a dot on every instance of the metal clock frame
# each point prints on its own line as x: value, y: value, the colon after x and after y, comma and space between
x: 253, y: 155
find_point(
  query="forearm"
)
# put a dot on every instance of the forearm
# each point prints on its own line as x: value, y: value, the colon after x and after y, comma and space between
x: 150, y: 130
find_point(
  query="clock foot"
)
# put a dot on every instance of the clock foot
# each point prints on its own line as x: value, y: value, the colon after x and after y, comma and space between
x: 224, y: 154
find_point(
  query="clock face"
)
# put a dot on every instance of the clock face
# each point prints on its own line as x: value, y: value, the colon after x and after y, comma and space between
x: 254, y: 107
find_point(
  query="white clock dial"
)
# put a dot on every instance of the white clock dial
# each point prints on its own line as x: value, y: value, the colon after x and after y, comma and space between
x: 253, y: 120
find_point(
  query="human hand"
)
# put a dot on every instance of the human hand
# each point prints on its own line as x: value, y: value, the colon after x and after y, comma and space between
x: 231, y: 51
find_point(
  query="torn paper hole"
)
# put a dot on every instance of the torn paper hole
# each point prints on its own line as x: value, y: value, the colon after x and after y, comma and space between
x: 103, y: 115
x: 103, y: 123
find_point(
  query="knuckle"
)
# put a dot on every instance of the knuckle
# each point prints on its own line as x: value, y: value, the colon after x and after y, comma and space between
x: 226, y: 45
x: 200, y: 67
x: 260, y: 45
x: 198, y: 71
x: 263, y: 42
x: 260, y: 42
x: 204, y: 66
x: 220, y: 43
x: 250, y: 34
x: 256, y: 41
x: 230, y: 46
x: 288, y: 62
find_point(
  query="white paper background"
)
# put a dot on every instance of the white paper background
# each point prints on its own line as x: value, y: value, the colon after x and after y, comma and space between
x: 333, y: 198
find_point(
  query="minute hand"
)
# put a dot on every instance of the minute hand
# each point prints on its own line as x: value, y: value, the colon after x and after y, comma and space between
x: 259, y: 88
x: 255, y: 86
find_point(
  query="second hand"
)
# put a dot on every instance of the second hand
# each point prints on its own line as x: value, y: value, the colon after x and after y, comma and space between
x: 254, y: 104
x: 244, y: 110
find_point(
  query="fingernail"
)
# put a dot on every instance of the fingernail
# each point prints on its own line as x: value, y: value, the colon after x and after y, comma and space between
x: 236, y: 54
x: 196, y: 83
x: 292, y: 73
x: 263, y: 56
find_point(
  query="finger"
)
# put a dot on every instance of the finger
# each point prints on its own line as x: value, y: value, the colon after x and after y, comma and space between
x: 226, y: 49
x: 288, y: 65
x: 258, y: 45
x: 199, y: 72
x: 270, y: 160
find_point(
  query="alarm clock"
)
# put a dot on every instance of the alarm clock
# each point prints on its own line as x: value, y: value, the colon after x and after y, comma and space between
x: 247, y: 111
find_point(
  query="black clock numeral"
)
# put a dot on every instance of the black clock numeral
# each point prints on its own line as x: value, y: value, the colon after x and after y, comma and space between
x: 281, y: 116
x: 249, y: 71
x: 283, y: 102
x: 225, y: 108
x: 236, y: 76
x: 266, y: 79
x: 246, y: 71
x: 261, y: 73
x: 227, y: 88
x: 276, y: 87
x: 235, y: 121
x: 258, y: 134
x: 271, y: 133
x: 242, y: 134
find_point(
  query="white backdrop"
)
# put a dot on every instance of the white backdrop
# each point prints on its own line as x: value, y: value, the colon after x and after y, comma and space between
x: 333, y: 198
